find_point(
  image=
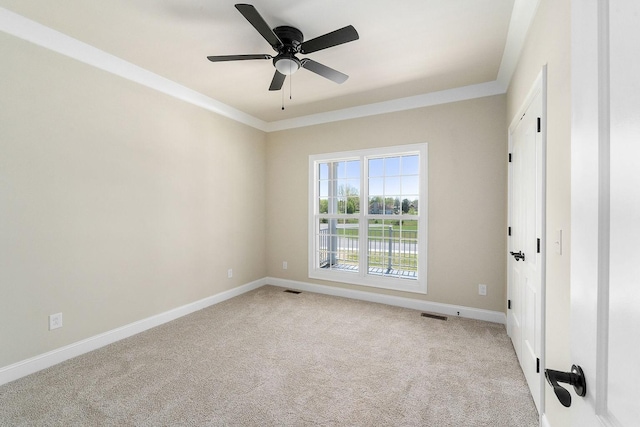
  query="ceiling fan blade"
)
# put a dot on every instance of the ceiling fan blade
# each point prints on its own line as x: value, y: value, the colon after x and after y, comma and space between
x: 278, y: 80
x: 222, y: 58
x: 255, y: 19
x: 324, y: 71
x: 334, y: 38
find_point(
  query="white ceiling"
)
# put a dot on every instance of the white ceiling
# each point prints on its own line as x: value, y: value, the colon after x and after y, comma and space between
x: 406, y: 48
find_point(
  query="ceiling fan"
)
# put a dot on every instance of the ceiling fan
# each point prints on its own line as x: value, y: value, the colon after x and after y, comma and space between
x: 289, y: 41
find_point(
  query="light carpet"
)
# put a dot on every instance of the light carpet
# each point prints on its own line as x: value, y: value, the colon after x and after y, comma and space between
x: 270, y: 357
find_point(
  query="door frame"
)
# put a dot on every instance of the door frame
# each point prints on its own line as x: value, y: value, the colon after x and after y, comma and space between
x: 590, y: 144
x: 539, y: 87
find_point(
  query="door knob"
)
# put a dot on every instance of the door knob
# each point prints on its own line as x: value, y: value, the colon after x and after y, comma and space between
x: 518, y: 255
x: 574, y: 378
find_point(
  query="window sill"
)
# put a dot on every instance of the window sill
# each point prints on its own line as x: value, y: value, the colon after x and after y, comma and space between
x: 418, y: 286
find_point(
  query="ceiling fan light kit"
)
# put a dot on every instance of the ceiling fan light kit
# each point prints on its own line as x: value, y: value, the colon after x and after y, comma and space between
x: 286, y: 65
x: 289, y: 41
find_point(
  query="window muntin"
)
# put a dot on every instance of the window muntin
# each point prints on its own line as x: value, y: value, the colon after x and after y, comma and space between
x: 366, y: 226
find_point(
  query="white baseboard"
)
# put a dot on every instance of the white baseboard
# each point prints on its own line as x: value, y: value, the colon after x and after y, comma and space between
x: 43, y: 361
x: 34, y: 364
x: 415, y: 304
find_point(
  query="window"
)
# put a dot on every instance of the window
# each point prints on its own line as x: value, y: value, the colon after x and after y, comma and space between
x: 368, y: 217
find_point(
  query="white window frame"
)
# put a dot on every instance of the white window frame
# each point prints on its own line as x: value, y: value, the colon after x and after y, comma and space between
x: 362, y: 277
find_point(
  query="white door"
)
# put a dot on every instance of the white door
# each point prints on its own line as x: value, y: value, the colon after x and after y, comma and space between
x: 605, y: 211
x: 525, y: 246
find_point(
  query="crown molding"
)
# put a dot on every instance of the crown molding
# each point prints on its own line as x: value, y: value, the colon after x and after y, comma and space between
x: 41, y: 35
x: 521, y: 19
x: 395, y: 105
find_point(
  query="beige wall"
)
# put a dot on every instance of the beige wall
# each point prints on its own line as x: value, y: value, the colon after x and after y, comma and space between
x: 116, y: 202
x: 549, y: 42
x: 467, y: 194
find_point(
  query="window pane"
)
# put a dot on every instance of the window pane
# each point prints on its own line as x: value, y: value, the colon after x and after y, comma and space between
x: 406, y: 259
x: 353, y: 187
x: 353, y: 205
x: 333, y: 205
x: 392, y: 166
x: 409, y: 229
x: 376, y: 167
x: 392, y: 185
x: 376, y: 186
x: 393, y: 248
x: 353, y: 169
x: 323, y: 205
x: 405, y: 205
x: 323, y: 246
x: 411, y: 165
x: 378, y: 247
x: 342, y: 205
x: 338, y: 244
x: 342, y: 187
x: 390, y: 203
x: 410, y: 184
x: 323, y: 171
x: 348, y: 245
x: 323, y: 188
x: 397, y: 205
x: 376, y: 205
x: 341, y: 169
x: 348, y: 187
x: 412, y: 207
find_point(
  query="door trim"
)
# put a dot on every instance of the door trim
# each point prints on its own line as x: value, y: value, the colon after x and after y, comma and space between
x: 539, y: 87
x: 590, y: 141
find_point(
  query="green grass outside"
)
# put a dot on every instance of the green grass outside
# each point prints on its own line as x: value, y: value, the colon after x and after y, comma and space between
x: 381, y: 230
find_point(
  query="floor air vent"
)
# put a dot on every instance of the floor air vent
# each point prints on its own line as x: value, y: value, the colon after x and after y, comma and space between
x: 434, y: 316
x: 292, y: 292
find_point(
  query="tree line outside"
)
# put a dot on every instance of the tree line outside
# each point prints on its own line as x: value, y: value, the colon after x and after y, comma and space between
x: 349, y: 203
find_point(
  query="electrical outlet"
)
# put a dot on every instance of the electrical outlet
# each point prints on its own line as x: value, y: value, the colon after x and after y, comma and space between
x: 230, y: 273
x: 55, y: 321
x: 482, y: 289
x: 284, y: 265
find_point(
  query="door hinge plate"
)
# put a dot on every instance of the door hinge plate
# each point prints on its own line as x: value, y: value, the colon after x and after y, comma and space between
x: 539, y: 124
x: 510, y: 158
x: 509, y: 231
x: 537, y: 365
x: 538, y: 245
x: 509, y: 304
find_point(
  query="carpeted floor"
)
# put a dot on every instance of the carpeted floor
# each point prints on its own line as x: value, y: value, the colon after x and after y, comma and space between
x: 274, y: 358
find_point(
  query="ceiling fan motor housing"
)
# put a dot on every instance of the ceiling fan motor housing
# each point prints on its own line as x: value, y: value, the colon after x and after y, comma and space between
x: 286, y: 61
x: 291, y: 37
